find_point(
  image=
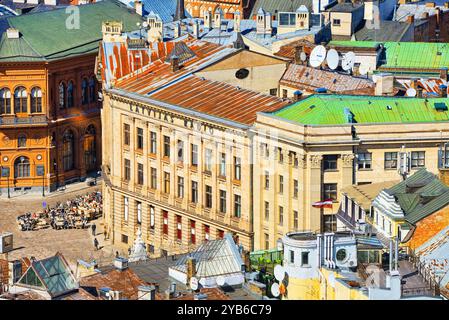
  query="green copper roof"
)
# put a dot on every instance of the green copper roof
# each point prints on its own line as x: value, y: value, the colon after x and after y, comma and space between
x: 45, y: 36
x: 346, y: 109
x: 407, y: 55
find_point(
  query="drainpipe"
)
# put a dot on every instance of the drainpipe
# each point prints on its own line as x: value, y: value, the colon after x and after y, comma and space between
x: 391, y: 256
x: 396, y: 255
x: 318, y: 246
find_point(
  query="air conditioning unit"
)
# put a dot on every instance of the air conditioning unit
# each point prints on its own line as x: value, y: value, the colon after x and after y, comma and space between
x: 346, y: 258
x: 6, y: 242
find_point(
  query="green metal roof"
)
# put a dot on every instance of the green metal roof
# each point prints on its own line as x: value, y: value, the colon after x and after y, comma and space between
x: 45, y: 36
x: 337, y: 109
x: 420, y: 195
x: 407, y: 55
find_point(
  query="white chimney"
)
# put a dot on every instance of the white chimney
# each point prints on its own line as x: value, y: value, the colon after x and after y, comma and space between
x: 196, y: 29
x: 12, y: 33
x: 51, y: 2
x: 121, y: 263
x: 208, y: 20
x: 237, y: 21
x: 33, y: 1
x: 146, y: 293
x: 217, y: 18
x: 138, y: 5
x: 177, y: 30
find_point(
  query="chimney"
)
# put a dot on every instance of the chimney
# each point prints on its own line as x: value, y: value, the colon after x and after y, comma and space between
x: 12, y: 33
x: 217, y: 18
x: 177, y: 30
x: 180, y: 11
x: 196, y: 29
x: 237, y: 21
x: 138, y: 6
x: 414, y: 83
x: 298, y: 51
x: 425, y: 16
x: 191, y: 268
x: 146, y: 292
x: 419, y: 92
x: 411, y: 19
x: 174, y: 62
x: 121, y: 263
x: 443, y: 91
x: 297, y: 95
x: 50, y: 2
x: 268, y: 29
x: 430, y: 4
x: 33, y: 1
x: 443, y: 74
x: 208, y: 20
x: 356, y: 70
x: 385, y: 85
x: 446, y: 5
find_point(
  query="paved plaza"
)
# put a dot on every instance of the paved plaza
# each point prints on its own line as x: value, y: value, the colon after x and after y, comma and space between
x: 72, y: 243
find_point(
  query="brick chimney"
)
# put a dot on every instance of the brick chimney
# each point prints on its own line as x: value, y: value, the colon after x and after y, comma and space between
x: 174, y: 63
x: 443, y: 74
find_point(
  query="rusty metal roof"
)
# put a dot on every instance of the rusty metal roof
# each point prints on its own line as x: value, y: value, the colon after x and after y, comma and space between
x: 307, y: 78
x: 219, y: 99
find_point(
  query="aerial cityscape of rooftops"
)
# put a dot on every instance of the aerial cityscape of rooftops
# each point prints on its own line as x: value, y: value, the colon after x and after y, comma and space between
x: 224, y: 150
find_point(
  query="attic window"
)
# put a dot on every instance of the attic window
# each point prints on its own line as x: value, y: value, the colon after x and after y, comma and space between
x: 242, y: 73
x: 440, y: 106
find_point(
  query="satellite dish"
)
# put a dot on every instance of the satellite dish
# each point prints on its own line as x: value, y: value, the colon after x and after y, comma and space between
x: 364, y: 69
x: 333, y: 59
x: 275, y: 291
x: 348, y: 61
x: 317, y: 56
x: 303, y: 56
x: 194, y: 283
x: 220, y: 281
x: 279, y: 272
x: 411, y: 92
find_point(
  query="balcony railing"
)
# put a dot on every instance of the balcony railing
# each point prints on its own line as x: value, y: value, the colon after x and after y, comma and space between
x: 29, y: 120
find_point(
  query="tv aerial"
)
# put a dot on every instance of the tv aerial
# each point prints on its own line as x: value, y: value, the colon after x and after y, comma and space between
x: 279, y: 273
x: 333, y: 59
x: 317, y: 56
x: 411, y: 92
x: 275, y: 290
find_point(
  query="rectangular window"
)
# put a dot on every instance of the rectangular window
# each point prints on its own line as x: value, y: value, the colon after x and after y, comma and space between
x: 153, y: 142
x: 222, y: 201
x: 165, y: 222
x: 139, y: 212
x: 124, y: 238
x: 330, y: 223
x: 126, y: 134
x: 220, y: 234
x: 180, y: 152
x: 267, y: 210
x: 125, y: 208
x: 194, y: 155
x: 140, y: 173
x: 284, y: 93
x: 153, y: 184
x: 267, y: 241
x: 330, y: 191
x: 445, y: 156
x: 208, y: 196
x: 280, y: 155
x: 304, y: 258
x: 192, y: 232
x: 364, y: 160
x: 178, y: 228
x: 267, y: 180
x: 194, y: 192
x: 166, y: 147
x: 222, y: 165
x: 336, y: 22
x: 330, y: 162
x: 152, y: 217
x: 139, y: 138
x: 237, y: 168
x: 237, y: 206
x: 295, y: 189
x: 295, y: 220
x: 391, y: 160
x: 208, y: 160
x: 281, y: 215
x: 418, y: 159
x: 127, y: 170
x: 206, y: 232
x: 281, y: 184
x: 180, y: 187
x: 287, y: 19
x: 274, y: 92
x: 166, y: 182
x: 292, y: 256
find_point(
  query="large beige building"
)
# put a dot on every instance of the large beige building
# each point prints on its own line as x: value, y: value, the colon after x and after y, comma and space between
x: 177, y: 155
x: 309, y: 151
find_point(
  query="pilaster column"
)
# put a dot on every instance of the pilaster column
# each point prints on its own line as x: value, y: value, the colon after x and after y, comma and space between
x: 313, y: 193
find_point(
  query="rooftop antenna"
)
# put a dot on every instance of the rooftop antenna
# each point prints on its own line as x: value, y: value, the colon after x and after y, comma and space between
x: 348, y: 61
x: 333, y: 59
x: 317, y: 56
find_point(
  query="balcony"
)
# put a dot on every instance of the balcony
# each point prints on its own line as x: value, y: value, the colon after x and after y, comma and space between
x: 24, y: 121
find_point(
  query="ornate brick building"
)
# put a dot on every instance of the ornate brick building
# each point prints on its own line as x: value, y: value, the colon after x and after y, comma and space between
x: 197, y: 8
x: 49, y: 106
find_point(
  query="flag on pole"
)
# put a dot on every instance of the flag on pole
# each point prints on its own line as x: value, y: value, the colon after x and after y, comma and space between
x: 323, y: 204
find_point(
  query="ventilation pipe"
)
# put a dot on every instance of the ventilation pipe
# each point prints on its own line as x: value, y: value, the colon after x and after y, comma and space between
x: 391, y: 256
x: 318, y: 248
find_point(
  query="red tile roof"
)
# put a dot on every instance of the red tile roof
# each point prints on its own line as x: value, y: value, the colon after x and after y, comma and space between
x: 212, y: 294
x: 219, y: 99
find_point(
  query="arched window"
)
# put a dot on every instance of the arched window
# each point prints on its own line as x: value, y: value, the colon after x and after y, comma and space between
x: 68, y: 154
x: 20, y: 100
x: 90, y: 149
x: 5, y: 101
x: 36, y: 100
x: 61, y: 95
x: 84, y: 91
x: 92, y: 93
x: 70, y: 95
x: 21, y: 141
x: 22, y: 167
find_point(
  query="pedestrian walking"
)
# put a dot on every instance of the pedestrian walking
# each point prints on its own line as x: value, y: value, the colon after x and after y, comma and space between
x: 96, y: 243
x: 94, y: 228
